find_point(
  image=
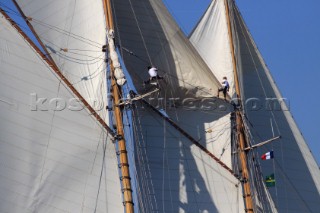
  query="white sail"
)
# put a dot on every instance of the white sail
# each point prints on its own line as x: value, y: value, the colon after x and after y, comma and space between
x: 190, y: 181
x: 213, y: 29
x: 175, y: 175
x: 147, y: 34
x: 74, y: 33
x: 296, y: 171
x: 148, y: 30
x: 52, y: 159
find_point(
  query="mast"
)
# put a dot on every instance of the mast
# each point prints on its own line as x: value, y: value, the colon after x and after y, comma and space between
x: 239, y: 125
x: 124, y: 165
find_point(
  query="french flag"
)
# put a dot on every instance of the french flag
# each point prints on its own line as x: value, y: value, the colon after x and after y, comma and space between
x: 267, y: 156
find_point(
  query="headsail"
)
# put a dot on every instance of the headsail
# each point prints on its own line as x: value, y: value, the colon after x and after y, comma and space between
x: 298, y: 183
x: 73, y: 33
x: 54, y: 155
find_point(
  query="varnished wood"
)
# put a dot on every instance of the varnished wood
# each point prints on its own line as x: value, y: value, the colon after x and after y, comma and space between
x: 125, y: 175
x: 239, y: 123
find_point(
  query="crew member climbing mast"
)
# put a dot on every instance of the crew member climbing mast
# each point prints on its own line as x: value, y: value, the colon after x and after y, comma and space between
x: 153, y: 73
x: 225, y: 88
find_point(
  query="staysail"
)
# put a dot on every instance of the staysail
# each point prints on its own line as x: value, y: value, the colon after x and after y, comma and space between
x: 73, y: 32
x: 297, y: 184
x: 55, y: 157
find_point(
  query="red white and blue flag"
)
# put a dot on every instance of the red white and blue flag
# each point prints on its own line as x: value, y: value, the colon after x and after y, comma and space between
x: 267, y: 156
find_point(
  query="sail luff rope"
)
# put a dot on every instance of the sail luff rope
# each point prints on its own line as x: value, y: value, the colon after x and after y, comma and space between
x: 58, y: 72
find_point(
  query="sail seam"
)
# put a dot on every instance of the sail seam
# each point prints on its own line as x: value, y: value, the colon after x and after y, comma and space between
x: 58, y: 72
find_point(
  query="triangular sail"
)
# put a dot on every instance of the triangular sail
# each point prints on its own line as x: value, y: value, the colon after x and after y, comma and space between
x: 211, y: 39
x: 73, y: 33
x: 55, y: 157
x: 147, y: 34
x: 148, y: 30
x: 296, y: 172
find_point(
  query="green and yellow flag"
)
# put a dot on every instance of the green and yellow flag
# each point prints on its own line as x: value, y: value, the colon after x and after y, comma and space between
x: 270, y: 181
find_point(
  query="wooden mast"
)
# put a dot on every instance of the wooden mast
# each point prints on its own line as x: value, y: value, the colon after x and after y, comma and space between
x: 124, y: 165
x: 240, y: 126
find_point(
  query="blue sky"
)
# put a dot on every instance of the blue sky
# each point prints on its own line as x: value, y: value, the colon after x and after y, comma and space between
x: 287, y: 33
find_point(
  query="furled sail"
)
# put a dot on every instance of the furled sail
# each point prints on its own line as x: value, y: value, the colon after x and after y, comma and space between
x: 148, y: 35
x: 174, y: 175
x: 296, y: 171
x: 73, y: 33
x: 55, y: 157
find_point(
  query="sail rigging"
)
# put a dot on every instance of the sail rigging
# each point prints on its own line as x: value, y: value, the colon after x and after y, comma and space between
x: 166, y: 158
x: 73, y: 32
x: 53, y: 159
x: 59, y: 153
x: 147, y: 30
x: 258, y: 85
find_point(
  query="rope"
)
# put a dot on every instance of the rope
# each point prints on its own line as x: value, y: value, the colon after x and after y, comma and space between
x: 277, y: 126
x: 75, y: 36
x: 243, y: 30
x: 140, y: 31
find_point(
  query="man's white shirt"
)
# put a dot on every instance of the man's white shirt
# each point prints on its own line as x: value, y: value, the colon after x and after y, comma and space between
x: 153, y: 72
